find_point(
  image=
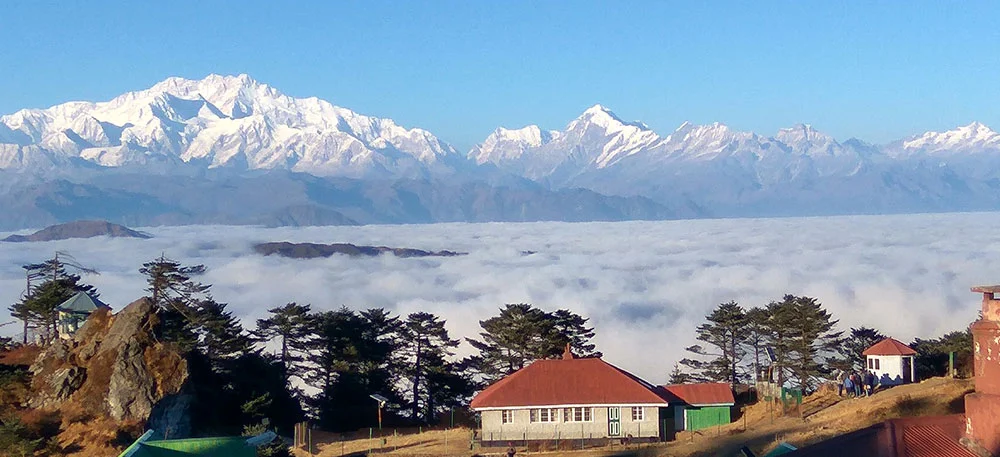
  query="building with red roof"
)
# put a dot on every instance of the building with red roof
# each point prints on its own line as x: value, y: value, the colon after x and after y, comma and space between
x: 892, y: 362
x: 699, y: 406
x: 972, y: 434
x: 582, y: 399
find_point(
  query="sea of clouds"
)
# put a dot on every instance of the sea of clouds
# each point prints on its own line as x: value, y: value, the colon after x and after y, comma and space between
x: 644, y: 285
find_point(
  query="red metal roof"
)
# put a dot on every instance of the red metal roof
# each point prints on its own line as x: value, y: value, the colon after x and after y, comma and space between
x: 928, y: 436
x: 889, y: 346
x: 589, y: 381
x: 708, y: 393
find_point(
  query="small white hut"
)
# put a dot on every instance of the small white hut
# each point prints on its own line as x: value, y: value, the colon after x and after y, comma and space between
x: 892, y: 362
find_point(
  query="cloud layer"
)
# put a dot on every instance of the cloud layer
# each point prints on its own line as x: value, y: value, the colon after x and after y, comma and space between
x: 644, y: 285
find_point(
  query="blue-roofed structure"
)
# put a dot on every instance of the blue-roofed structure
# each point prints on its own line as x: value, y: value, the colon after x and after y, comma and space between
x: 74, y: 312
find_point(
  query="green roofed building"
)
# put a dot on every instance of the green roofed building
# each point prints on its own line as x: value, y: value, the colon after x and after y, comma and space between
x: 227, y: 446
x: 75, y: 311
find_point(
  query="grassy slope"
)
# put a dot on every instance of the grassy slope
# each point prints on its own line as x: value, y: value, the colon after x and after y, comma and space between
x: 825, y: 415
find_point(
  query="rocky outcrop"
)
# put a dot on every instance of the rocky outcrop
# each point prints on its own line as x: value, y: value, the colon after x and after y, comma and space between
x: 114, y: 367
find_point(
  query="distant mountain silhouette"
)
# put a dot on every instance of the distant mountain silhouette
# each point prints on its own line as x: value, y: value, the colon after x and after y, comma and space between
x: 314, y: 250
x: 78, y: 229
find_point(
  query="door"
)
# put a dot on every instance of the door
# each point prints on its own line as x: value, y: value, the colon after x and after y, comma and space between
x: 907, y: 375
x: 614, y: 421
x: 668, y: 432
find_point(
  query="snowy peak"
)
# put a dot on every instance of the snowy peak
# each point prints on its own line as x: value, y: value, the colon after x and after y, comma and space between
x: 975, y: 137
x: 531, y: 136
x: 601, y: 116
x: 229, y: 121
x: 800, y: 134
x: 505, y: 145
x: 709, y: 136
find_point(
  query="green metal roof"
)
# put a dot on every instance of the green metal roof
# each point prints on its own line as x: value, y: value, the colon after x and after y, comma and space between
x: 208, y: 447
x: 226, y: 446
x: 82, y: 302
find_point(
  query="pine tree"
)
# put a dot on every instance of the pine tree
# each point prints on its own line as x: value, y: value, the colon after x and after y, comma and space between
x: 756, y: 336
x: 522, y: 334
x: 379, y: 361
x: 350, y: 358
x: 677, y: 376
x: 177, y: 298
x: 221, y: 335
x: 170, y: 284
x: 572, y: 328
x: 426, y: 345
x: 803, y: 337
x: 291, y: 325
x: 52, y: 286
x: 725, y: 332
x: 854, y: 346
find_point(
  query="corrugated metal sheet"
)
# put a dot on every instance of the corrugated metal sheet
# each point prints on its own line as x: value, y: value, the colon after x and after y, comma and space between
x: 589, y: 381
x: 928, y: 436
x: 889, y: 346
x: 707, y: 393
x: 205, y: 447
x: 708, y: 416
x: 931, y: 441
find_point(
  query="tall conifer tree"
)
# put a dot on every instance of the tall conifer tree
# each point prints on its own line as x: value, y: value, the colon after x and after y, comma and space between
x: 725, y: 333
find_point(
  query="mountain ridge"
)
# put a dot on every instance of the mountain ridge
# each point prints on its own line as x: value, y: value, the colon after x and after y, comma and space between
x: 586, y: 171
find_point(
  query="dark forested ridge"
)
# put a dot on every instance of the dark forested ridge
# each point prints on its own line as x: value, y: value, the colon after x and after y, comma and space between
x: 314, y: 250
x: 78, y: 229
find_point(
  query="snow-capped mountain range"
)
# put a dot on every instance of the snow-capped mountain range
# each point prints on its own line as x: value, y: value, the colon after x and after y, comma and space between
x: 221, y: 121
x: 236, y: 123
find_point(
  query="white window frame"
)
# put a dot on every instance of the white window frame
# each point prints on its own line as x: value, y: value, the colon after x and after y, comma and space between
x: 506, y: 416
x: 586, y: 414
x: 638, y: 414
x: 543, y: 415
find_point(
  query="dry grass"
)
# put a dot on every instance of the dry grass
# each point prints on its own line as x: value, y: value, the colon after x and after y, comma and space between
x: 454, y: 442
x: 824, y: 415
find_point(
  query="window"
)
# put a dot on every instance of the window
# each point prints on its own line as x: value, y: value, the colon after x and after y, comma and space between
x: 543, y: 415
x: 506, y: 416
x: 638, y: 414
x: 577, y: 415
x: 871, y: 364
x: 876, y: 364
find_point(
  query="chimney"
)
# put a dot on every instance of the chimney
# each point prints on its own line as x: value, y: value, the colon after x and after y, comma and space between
x: 982, y: 407
x: 568, y: 353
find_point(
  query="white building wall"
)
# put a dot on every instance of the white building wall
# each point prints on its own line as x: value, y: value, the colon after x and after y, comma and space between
x: 521, y: 428
x: 890, y: 367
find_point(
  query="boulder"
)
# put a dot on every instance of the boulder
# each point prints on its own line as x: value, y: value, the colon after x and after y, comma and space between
x: 114, y: 367
x: 130, y: 392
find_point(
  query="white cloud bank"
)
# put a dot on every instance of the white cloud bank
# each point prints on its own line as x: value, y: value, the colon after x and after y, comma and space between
x: 644, y: 285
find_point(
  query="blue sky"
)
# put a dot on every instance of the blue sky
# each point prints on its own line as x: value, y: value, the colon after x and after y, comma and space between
x: 872, y: 70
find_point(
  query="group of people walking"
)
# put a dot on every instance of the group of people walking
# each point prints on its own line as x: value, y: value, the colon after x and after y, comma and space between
x: 856, y: 384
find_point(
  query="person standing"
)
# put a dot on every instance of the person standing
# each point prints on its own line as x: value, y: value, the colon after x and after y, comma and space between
x: 856, y: 379
x: 870, y: 381
x: 841, y: 376
x: 849, y: 386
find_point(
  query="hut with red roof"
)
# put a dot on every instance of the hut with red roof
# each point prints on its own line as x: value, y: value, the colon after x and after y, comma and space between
x: 572, y: 399
x: 892, y: 362
x: 584, y: 399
